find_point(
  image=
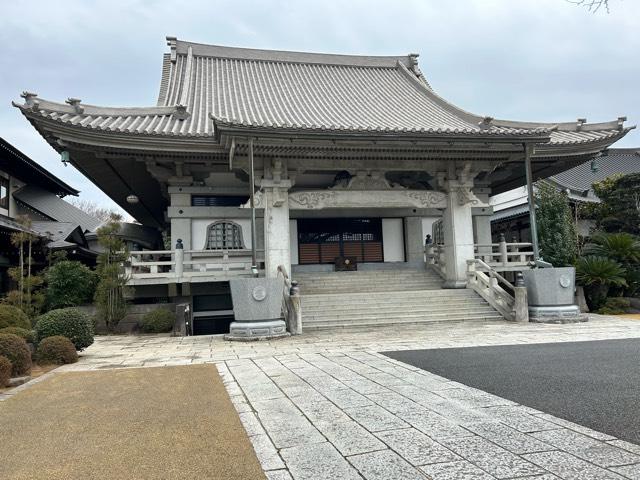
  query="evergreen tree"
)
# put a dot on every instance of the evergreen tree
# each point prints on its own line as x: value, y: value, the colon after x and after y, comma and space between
x: 111, y: 291
x: 557, y: 237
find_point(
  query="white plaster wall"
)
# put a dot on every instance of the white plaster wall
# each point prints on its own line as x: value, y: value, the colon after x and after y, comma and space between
x: 293, y: 241
x: 393, y: 240
x: 199, y: 231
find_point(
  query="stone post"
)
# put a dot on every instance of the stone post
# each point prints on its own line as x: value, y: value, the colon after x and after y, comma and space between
x: 179, y: 257
x: 414, y: 241
x: 458, y: 230
x: 482, y: 235
x: 276, y: 226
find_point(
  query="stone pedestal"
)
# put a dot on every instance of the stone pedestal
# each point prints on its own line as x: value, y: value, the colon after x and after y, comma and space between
x: 257, y: 308
x: 550, y: 293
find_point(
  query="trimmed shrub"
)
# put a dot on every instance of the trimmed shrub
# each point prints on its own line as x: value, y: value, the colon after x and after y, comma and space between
x: 158, y: 321
x: 615, y: 306
x: 11, y: 316
x: 16, y: 350
x: 68, y: 322
x: 70, y: 283
x: 28, y: 335
x: 56, y: 350
x: 5, y: 371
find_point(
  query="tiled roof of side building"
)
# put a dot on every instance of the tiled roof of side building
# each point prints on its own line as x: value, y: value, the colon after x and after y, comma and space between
x: 204, y: 86
x: 55, y: 208
x: 615, y: 161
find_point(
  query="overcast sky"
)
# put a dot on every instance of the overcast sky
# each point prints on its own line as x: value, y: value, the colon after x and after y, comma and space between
x: 539, y: 60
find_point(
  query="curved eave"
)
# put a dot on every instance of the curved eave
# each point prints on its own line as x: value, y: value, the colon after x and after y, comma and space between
x: 115, y: 139
x: 223, y: 128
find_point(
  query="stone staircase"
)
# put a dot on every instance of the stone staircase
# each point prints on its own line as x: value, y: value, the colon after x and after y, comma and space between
x: 384, y: 297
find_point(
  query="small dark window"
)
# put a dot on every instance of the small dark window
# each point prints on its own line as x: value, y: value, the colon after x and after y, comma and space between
x: 4, y: 192
x: 218, y: 201
x: 224, y: 236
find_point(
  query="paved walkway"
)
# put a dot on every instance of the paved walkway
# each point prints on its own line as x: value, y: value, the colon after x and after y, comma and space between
x: 328, y: 405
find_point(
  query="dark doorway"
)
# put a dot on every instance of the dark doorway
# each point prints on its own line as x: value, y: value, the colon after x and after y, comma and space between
x: 322, y: 240
x: 212, y: 314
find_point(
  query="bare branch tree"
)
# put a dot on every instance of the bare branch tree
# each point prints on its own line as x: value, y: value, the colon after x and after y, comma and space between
x: 592, y: 5
x: 92, y: 208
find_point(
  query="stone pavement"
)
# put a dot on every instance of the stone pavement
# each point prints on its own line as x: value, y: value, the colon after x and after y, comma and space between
x: 328, y: 405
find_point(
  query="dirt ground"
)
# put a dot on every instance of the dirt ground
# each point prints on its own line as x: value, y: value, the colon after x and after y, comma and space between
x: 143, y: 423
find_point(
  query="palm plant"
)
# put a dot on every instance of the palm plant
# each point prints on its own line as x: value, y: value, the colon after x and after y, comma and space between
x: 621, y: 247
x: 597, y: 274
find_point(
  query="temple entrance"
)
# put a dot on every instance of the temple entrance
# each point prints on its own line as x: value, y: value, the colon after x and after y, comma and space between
x: 322, y: 240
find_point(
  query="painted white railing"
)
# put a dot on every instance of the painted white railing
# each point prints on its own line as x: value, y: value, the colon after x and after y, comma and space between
x: 509, y: 300
x: 172, y: 266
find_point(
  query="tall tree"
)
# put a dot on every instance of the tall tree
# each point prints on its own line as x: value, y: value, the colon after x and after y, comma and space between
x: 112, y: 290
x: 556, y: 226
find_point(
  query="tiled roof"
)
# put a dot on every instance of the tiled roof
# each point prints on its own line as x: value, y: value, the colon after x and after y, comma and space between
x: 615, y: 161
x: 204, y: 86
x: 54, y: 207
x: 16, y: 163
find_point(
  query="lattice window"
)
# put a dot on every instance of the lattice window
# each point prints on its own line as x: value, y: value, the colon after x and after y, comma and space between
x: 224, y: 235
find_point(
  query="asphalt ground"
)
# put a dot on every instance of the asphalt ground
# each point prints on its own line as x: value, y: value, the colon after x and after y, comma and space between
x: 142, y: 423
x: 595, y: 384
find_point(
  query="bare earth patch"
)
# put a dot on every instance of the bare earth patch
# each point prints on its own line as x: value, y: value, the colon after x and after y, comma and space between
x: 171, y: 423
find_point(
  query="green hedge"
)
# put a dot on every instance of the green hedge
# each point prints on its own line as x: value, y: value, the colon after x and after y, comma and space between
x: 68, y: 322
x: 5, y: 371
x: 158, y: 321
x: 70, y: 283
x: 16, y: 350
x: 11, y: 316
x: 56, y: 350
x: 28, y: 335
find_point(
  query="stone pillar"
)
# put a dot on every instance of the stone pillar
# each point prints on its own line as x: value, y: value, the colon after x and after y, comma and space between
x: 458, y: 227
x: 276, y: 226
x: 482, y: 232
x: 414, y: 240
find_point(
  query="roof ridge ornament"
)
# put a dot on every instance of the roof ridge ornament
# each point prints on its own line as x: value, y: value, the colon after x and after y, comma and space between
x: 621, y: 121
x: 173, y: 44
x: 31, y: 100
x: 485, y: 123
x: 414, y: 68
x: 580, y: 123
x: 181, y: 112
x: 75, y: 103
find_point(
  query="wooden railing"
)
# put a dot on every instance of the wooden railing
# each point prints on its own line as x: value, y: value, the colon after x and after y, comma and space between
x: 172, y: 266
x: 509, y: 300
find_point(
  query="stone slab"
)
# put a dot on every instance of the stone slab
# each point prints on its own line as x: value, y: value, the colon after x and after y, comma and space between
x: 318, y: 462
x: 385, y: 465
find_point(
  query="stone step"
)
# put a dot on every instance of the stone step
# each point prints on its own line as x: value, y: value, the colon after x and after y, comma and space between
x: 367, y: 289
x: 400, y: 294
x: 388, y: 306
x: 396, y: 321
x: 391, y: 314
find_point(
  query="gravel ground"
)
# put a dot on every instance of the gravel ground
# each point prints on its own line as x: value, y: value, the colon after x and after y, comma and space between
x: 153, y: 423
x: 595, y: 384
